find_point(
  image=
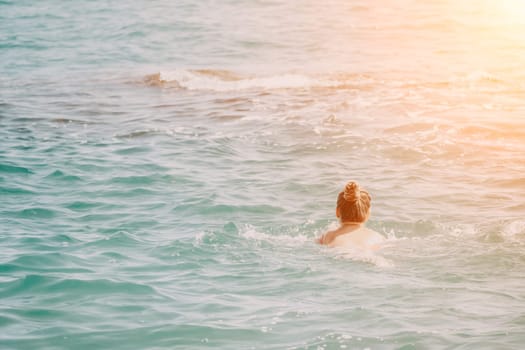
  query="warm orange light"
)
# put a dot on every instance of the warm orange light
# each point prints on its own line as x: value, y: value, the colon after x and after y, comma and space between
x: 512, y: 11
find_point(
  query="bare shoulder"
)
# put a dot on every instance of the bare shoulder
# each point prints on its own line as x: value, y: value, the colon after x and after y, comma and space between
x: 328, y: 237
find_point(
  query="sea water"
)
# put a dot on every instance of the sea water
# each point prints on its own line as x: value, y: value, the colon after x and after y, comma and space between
x: 165, y: 167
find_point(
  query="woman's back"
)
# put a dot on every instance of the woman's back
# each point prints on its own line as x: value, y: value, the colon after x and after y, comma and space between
x: 360, y: 238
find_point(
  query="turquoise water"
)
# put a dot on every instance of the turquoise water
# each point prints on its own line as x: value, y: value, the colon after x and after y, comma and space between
x: 165, y: 167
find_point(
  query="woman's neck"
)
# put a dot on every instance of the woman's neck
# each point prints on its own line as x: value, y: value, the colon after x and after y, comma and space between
x: 351, y: 224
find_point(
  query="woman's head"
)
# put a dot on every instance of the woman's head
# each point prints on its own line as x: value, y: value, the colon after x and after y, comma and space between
x: 353, y: 204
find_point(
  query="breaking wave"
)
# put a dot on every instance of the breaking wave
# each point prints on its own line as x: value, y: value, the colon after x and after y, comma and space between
x: 222, y: 80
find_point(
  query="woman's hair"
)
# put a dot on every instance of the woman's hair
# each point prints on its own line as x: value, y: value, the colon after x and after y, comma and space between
x: 353, y: 203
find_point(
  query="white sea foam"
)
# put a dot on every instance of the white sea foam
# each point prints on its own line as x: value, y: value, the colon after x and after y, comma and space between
x: 217, y: 80
x: 225, y: 81
x: 249, y: 232
x: 514, y: 231
x: 474, y: 77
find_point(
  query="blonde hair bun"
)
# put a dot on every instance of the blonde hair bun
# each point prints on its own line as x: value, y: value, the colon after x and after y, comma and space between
x: 352, y: 192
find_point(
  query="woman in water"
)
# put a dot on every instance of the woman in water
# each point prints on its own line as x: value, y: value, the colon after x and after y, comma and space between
x: 353, y: 210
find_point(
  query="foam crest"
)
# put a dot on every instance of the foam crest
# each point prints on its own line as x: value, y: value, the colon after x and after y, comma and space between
x: 474, y: 77
x: 461, y: 231
x: 250, y: 233
x: 514, y: 231
x: 223, y: 81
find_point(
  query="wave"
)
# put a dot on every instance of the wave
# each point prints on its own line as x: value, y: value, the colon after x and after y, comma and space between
x: 514, y: 231
x: 227, y: 81
x: 13, y: 169
x: 475, y: 77
x: 34, y: 213
x: 251, y: 233
x: 223, y: 81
